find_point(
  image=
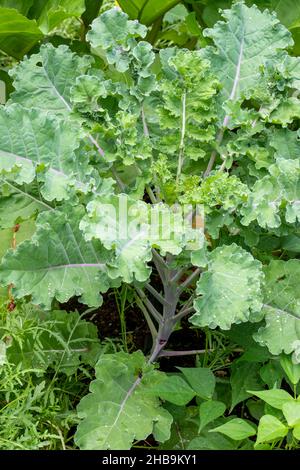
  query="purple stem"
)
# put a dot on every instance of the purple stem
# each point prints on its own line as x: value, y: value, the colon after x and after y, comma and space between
x: 182, y: 353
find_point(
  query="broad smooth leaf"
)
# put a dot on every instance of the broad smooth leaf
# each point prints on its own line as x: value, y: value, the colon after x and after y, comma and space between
x: 275, y: 397
x: 209, y: 411
x: 18, y: 34
x: 118, y: 409
x: 292, y: 370
x: 212, y: 441
x: 272, y: 374
x: 50, y: 13
x: 201, y: 379
x: 174, y: 389
x: 229, y: 291
x: 291, y: 411
x: 244, y: 377
x: 236, y: 428
x: 92, y: 8
x: 57, y: 263
x: 23, y: 6
x: 296, y: 432
x: 288, y: 11
x: 146, y: 11
x: 184, y: 427
x: 270, y: 429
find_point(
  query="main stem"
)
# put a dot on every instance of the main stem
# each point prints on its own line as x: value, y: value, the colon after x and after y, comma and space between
x: 169, y: 277
x: 167, y: 319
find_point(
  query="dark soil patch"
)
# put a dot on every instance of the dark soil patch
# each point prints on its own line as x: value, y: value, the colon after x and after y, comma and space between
x: 108, y: 323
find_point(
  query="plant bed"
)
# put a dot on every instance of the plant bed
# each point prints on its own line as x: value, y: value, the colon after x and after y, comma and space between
x: 149, y: 218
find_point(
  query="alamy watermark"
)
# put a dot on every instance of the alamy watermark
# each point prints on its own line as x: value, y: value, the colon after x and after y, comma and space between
x: 158, y: 223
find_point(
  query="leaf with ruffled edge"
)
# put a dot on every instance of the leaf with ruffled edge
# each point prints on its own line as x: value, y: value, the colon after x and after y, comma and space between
x: 230, y: 290
x: 131, y: 228
x: 279, y: 192
x: 113, y: 35
x: 242, y: 44
x: 34, y: 144
x: 281, y: 332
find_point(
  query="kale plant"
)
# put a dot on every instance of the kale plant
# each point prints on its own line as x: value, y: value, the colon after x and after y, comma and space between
x: 87, y: 141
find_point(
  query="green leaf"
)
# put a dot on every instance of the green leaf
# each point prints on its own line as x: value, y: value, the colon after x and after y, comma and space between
x: 201, y: 379
x: 286, y: 143
x: 271, y: 193
x: 92, y: 8
x: 31, y: 143
x: 131, y: 228
x: 50, y: 13
x: 25, y: 232
x: 281, y: 309
x: 270, y: 429
x: 18, y: 34
x: 211, y: 442
x: 176, y: 14
x: 23, y: 6
x: 263, y: 204
x: 272, y: 374
x: 187, y: 95
x: 44, y: 80
x: 288, y: 11
x: 296, y: 432
x: 286, y: 112
x: 146, y: 11
x: 118, y: 409
x: 132, y: 250
x: 61, y: 340
x: 57, y: 263
x: 184, y: 427
x: 19, y: 205
x: 291, y: 411
x: 292, y: 370
x: 219, y: 189
x: 256, y: 408
x: 237, y: 429
x: 275, y: 397
x: 244, y: 377
x: 209, y: 411
x: 173, y: 389
x: 212, y: 11
x: 291, y: 243
x: 114, y: 34
x: 229, y: 292
x: 243, y: 43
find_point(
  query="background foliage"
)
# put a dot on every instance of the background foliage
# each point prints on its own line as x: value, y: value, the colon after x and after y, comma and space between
x: 69, y: 81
